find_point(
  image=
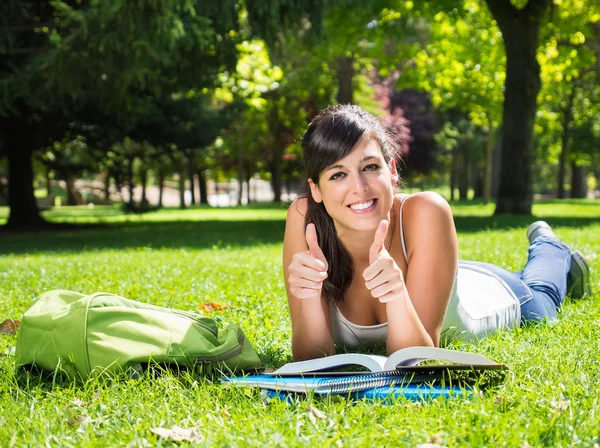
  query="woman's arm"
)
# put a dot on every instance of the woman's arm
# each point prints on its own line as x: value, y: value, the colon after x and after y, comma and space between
x: 432, y: 262
x: 311, y: 327
x: 385, y: 280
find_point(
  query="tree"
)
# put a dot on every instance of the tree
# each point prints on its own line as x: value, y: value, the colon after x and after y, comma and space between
x: 570, y: 68
x: 56, y: 57
x: 289, y: 95
x: 361, y: 39
x: 23, y: 132
x: 68, y: 160
x: 520, y: 29
x: 462, y: 67
x: 422, y: 126
x: 244, y: 91
x: 393, y: 118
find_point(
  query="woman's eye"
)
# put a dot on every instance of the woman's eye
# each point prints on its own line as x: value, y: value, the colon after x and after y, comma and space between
x: 372, y: 167
x: 337, y: 176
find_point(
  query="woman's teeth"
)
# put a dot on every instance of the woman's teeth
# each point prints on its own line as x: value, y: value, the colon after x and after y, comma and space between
x: 362, y: 205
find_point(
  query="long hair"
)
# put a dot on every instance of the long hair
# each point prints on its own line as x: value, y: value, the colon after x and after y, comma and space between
x: 330, y: 137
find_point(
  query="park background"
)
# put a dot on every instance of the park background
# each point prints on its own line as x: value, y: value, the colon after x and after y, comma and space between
x: 184, y: 103
x: 129, y: 128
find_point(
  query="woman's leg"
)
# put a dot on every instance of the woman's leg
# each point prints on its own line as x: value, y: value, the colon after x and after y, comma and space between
x: 545, y: 273
x: 550, y: 270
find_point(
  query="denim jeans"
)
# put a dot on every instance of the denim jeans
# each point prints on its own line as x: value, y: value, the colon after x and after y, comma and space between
x: 541, y: 286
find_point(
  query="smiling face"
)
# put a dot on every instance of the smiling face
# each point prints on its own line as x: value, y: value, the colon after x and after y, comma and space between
x: 357, y: 190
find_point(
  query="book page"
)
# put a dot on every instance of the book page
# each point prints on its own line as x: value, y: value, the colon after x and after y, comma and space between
x: 374, y: 363
x: 411, y: 356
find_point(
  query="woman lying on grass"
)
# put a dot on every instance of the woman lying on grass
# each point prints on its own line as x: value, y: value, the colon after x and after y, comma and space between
x: 364, y: 264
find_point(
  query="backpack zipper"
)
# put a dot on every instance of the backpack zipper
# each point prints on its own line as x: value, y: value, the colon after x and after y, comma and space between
x: 202, y: 324
x: 227, y: 354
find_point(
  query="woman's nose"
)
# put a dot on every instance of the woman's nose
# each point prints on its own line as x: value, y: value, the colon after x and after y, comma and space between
x: 360, y: 184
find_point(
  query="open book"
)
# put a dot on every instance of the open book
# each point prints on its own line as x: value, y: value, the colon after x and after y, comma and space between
x: 405, y: 357
x: 399, y: 370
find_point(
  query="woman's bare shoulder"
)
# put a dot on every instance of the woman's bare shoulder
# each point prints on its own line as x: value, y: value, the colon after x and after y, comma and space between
x: 424, y: 203
x: 428, y: 223
x: 295, y: 221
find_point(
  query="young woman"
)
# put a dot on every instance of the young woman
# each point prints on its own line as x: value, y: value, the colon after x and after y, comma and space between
x: 364, y: 264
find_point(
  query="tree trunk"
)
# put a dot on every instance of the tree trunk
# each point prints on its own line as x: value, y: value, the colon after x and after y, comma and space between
x: 3, y: 191
x: 489, y: 166
x: 191, y: 168
x: 276, y: 176
x: 118, y: 178
x: 578, y: 181
x: 345, y: 66
x: 107, y: 186
x: 144, y: 179
x: 161, y: 187
x: 182, y: 190
x: 463, y: 180
x: 240, y: 165
x: 497, y: 160
x: 478, y: 182
x: 130, y: 180
x: 21, y: 200
x: 248, y: 177
x: 520, y: 30
x: 564, y: 152
x: 280, y: 142
x: 72, y: 198
x: 202, y: 187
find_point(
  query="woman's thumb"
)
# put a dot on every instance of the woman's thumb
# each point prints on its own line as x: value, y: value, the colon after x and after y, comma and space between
x: 313, y: 244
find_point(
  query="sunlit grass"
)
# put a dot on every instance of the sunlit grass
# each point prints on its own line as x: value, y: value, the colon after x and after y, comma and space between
x: 233, y: 257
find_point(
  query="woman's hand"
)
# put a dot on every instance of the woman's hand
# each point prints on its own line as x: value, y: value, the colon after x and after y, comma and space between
x: 308, y: 269
x: 383, y: 277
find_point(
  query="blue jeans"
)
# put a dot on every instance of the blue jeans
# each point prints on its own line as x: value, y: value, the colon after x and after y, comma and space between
x: 541, y: 286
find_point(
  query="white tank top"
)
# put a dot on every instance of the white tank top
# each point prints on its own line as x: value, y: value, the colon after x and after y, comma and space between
x: 353, y: 336
x: 483, y: 303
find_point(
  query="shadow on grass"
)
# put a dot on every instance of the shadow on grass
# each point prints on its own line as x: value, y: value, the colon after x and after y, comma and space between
x: 471, y: 224
x: 179, y: 234
x: 214, y: 233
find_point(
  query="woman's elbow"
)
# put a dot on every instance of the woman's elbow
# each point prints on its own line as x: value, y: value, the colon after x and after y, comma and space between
x: 303, y: 352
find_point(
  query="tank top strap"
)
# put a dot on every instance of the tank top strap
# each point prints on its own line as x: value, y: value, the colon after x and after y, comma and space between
x: 402, y: 229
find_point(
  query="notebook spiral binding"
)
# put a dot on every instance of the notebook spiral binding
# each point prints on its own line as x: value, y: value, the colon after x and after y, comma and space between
x: 373, y: 380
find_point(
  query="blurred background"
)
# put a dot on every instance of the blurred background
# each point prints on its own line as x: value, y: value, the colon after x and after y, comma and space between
x: 162, y: 103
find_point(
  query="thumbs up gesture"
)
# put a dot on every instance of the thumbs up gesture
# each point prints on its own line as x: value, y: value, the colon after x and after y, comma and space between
x: 308, y: 269
x: 383, y: 277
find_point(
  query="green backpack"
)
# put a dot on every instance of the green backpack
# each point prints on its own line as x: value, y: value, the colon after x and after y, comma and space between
x: 85, y: 336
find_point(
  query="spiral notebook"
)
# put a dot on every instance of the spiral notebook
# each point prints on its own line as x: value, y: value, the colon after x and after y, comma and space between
x: 412, y: 392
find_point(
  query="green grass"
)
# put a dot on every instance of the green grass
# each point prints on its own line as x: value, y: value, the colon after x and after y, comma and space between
x: 233, y: 256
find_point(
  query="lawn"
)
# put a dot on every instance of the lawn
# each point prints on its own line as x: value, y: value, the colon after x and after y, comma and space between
x: 233, y: 257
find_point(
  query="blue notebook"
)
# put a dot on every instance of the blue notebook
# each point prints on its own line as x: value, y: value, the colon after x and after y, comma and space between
x: 331, y: 383
x: 412, y: 392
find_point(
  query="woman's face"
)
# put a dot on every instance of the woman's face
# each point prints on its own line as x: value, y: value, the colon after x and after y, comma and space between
x: 357, y: 190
